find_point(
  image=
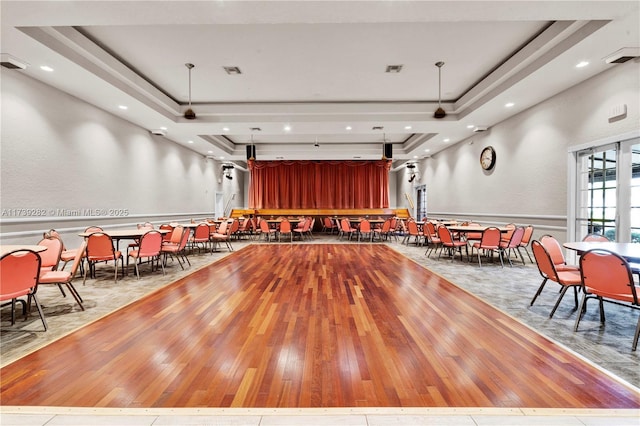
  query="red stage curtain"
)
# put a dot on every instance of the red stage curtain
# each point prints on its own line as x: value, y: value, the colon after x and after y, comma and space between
x: 319, y: 184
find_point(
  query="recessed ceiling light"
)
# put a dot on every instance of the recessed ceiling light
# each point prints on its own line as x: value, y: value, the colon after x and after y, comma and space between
x: 471, y: 126
x: 222, y: 158
x: 123, y: 107
x: 407, y: 127
x: 225, y: 129
x: 211, y: 152
x: 582, y: 64
x: 163, y: 128
x: 46, y: 68
x: 348, y: 128
x: 192, y: 142
x: 446, y: 140
x: 509, y: 104
x: 415, y: 156
x: 427, y: 150
x: 287, y: 128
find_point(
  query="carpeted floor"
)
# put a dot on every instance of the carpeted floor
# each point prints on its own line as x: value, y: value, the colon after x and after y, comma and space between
x: 509, y: 289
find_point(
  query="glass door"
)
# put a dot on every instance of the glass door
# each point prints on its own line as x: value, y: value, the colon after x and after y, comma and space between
x: 597, y: 193
x: 608, y: 191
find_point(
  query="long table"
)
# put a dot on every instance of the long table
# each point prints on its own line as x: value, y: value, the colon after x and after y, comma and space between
x: 629, y: 251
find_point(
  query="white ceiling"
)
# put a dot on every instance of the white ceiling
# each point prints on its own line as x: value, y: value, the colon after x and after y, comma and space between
x: 316, y: 66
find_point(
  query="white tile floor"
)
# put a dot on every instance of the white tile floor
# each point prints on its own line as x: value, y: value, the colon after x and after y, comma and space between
x: 38, y: 416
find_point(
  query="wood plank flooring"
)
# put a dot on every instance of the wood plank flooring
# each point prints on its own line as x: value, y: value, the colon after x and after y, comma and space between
x: 309, y: 326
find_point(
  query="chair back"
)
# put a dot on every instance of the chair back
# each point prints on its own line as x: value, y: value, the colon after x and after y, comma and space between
x: 285, y: 226
x: 327, y: 222
x: 184, y: 237
x: 151, y: 243
x: 19, y: 271
x: 413, y: 228
x: 77, y: 260
x: 201, y: 232
x: 595, y: 237
x: 264, y: 226
x: 365, y: 226
x: 235, y: 226
x: 431, y: 229
x: 553, y: 247
x: 54, y: 233
x: 222, y: 229
x: 345, y: 225
x: 100, y: 247
x: 176, y: 234
x: 544, y: 261
x: 490, y: 238
x: 605, y: 273
x: 166, y: 227
x: 386, y: 226
x: 526, y: 237
x: 51, y: 256
x: 516, y: 237
x: 445, y: 235
x: 507, y: 235
x: 93, y: 229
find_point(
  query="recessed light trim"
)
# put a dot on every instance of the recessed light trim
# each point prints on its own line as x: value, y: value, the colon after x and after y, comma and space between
x: 471, y: 126
x: 211, y: 152
x: 408, y: 127
x: 46, y: 68
x: 225, y: 129
x: 446, y: 140
x: 348, y: 128
x: 123, y: 107
x: 192, y: 142
x: 582, y: 64
x: 509, y: 104
x: 287, y: 128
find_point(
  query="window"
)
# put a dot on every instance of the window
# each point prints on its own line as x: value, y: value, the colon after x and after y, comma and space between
x: 607, y: 198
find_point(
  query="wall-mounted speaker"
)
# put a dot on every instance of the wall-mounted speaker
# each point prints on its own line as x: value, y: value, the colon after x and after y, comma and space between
x: 388, y: 151
x: 251, y: 152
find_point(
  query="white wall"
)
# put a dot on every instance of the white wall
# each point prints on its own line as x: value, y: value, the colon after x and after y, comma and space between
x: 529, y: 181
x: 59, y: 153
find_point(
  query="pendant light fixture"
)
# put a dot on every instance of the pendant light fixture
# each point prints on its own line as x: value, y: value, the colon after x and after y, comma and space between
x: 439, y: 112
x: 189, y: 114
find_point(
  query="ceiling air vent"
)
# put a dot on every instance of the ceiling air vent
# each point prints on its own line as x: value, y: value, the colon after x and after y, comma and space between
x: 10, y: 62
x: 394, y: 68
x: 232, y: 70
x: 623, y: 55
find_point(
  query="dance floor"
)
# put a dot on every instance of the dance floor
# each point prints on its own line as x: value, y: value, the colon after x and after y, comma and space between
x: 318, y: 325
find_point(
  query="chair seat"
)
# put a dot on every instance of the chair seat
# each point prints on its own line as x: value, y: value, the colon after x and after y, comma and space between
x: 68, y: 255
x: 116, y: 254
x: 569, y: 277
x: 53, y: 277
x: 478, y: 245
x: 566, y: 268
x: 456, y: 243
x: 615, y: 296
x: 136, y: 253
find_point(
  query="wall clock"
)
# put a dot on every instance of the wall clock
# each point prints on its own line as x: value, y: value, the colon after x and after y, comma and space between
x: 488, y: 158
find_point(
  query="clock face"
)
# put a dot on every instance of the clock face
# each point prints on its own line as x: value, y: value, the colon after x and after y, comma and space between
x: 488, y: 158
